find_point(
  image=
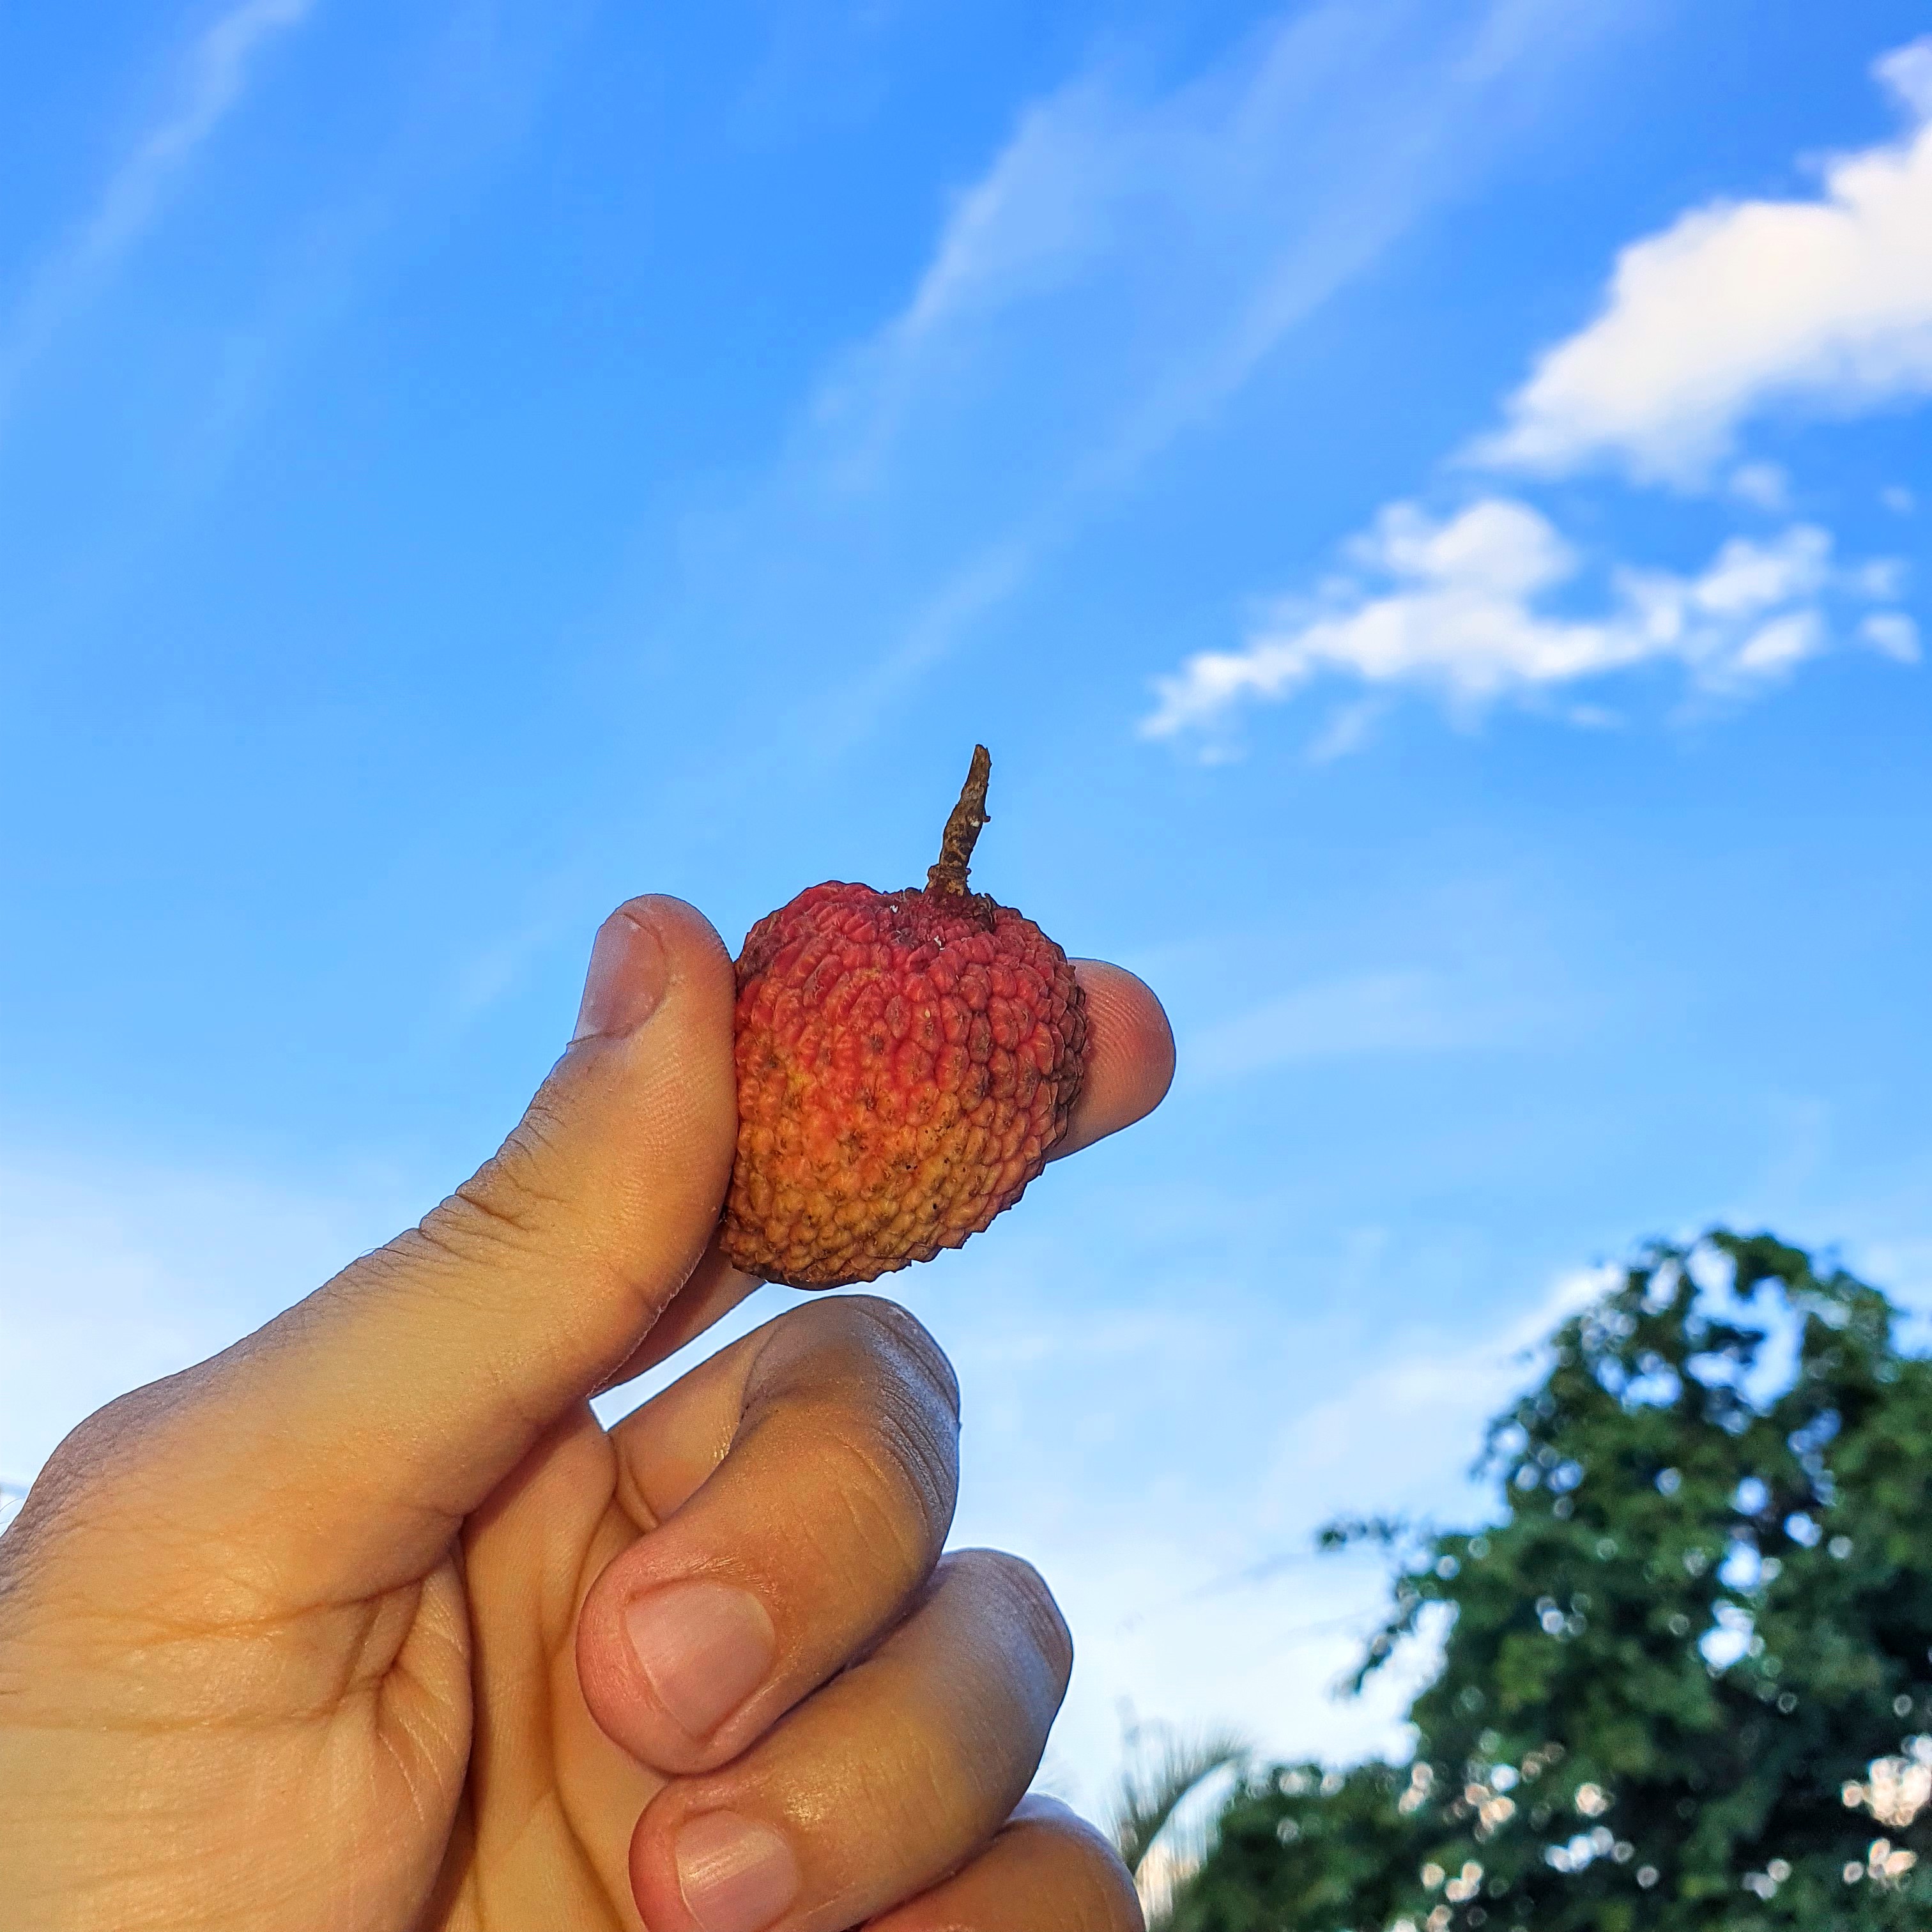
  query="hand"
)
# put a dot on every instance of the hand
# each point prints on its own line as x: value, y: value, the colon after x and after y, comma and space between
x: 334, y: 1630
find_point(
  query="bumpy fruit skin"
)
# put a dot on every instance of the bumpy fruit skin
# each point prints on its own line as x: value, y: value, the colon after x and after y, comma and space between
x: 906, y: 1061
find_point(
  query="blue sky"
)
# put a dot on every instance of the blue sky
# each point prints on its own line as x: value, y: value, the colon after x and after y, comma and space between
x: 1427, y: 501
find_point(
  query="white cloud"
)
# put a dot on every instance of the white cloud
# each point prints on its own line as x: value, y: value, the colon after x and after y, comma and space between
x: 1824, y: 303
x: 1461, y: 606
x: 1892, y: 632
x: 1122, y: 266
x: 218, y: 68
x: 1132, y: 255
x: 1398, y: 1010
x: 1348, y: 729
x: 1764, y: 486
x: 1898, y: 500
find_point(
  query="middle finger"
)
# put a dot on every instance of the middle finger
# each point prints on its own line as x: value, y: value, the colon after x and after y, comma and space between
x: 795, y: 1491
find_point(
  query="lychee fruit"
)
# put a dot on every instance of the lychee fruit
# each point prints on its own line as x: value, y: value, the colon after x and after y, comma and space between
x: 906, y: 1062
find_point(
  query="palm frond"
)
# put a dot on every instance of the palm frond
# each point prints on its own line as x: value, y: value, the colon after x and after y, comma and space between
x: 1155, y: 1844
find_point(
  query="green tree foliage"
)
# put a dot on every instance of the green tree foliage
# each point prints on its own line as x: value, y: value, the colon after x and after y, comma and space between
x: 1687, y: 1676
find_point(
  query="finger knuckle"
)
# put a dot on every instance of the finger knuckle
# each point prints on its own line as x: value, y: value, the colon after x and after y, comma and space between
x: 874, y: 1346
x: 513, y: 1196
x: 959, y: 1778
x: 896, y: 1482
x: 1098, y: 1890
x: 108, y: 1441
x: 903, y: 1341
x: 1025, y: 1595
x: 865, y: 1335
x: 850, y: 1374
x: 1108, y: 1900
x: 85, y: 1447
x: 103, y: 1492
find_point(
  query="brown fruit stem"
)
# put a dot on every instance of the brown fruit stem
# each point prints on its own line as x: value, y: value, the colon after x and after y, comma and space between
x: 962, y: 828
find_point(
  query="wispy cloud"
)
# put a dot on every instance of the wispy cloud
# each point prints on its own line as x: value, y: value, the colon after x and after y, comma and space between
x: 1399, y: 1010
x: 1740, y: 307
x: 1430, y: 1394
x: 1764, y: 486
x: 218, y: 68
x: 1463, y: 607
x: 1124, y: 264
x: 450, y: 91
x: 1206, y: 1604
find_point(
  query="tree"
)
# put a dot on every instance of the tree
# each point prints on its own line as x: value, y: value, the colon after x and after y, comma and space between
x: 1687, y: 1674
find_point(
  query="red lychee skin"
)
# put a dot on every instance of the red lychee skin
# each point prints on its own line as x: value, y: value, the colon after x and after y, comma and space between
x: 906, y: 1062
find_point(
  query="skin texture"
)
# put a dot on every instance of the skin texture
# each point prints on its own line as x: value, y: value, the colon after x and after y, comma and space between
x: 330, y: 1631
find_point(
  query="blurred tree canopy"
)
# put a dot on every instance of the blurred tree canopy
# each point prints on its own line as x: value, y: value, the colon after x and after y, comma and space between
x: 1687, y: 1675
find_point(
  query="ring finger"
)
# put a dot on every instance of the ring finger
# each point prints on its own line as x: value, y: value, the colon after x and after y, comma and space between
x: 888, y: 1780
x: 1047, y: 1871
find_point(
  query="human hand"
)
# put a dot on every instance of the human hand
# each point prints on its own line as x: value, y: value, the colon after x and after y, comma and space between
x: 333, y: 1631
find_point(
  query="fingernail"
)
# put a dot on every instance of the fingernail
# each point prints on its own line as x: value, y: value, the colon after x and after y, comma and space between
x: 705, y: 1648
x: 734, y: 1875
x: 628, y: 975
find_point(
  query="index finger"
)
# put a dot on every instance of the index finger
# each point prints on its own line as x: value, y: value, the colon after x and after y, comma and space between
x: 1129, y: 1068
x: 1130, y: 1055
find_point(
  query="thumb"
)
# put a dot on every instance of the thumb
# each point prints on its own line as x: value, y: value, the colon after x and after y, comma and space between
x: 399, y: 1394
